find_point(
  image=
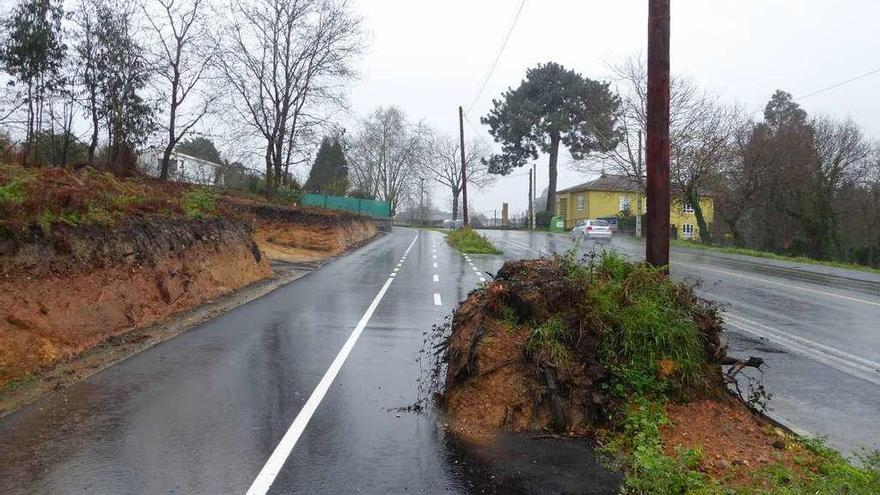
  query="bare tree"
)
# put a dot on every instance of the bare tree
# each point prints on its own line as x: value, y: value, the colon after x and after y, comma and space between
x: 182, y: 55
x: 281, y: 57
x: 701, y: 135
x: 386, y: 157
x: 86, y: 18
x: 443, y: 165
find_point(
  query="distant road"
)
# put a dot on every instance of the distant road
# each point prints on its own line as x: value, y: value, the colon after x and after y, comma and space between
x: 817, y: 328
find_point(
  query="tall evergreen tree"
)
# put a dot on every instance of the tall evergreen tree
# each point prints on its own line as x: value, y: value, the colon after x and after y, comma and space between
x: 552, y: 105
x: 200, y: 147
x: 33, y: 53
x: 329, y: 174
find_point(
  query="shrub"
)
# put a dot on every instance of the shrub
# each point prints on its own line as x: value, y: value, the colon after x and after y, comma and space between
x: 199, y: 202
x: 469, y: 241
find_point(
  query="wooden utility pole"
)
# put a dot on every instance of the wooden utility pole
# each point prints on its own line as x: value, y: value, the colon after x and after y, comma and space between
x: 657, y: 145
x: 529, y: 221
x: 640, y: 169
x: 464, y: 208
x: 534, y: 196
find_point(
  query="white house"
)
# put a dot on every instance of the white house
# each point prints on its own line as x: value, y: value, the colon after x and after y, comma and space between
x: 182, y: 168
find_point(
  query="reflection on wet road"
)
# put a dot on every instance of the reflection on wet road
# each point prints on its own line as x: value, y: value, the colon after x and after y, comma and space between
x: 818, y: 329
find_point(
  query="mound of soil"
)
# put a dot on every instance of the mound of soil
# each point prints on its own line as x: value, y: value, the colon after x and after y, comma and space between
x: 496, y: 381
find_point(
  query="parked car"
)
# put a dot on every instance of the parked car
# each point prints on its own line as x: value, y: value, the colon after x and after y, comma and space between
x: 612, y: 222
x: 591, y: 230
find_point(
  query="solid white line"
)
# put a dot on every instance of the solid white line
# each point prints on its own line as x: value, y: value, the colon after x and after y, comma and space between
x: 784, y: 284
x: 437, y: 299
x: 436, y: 278
x: 810, y: 350
x: 279, y: 456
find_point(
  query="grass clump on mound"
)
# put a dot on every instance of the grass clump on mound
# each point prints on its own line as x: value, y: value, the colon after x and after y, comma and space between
x: 605, y: 347
x: 468, y: 241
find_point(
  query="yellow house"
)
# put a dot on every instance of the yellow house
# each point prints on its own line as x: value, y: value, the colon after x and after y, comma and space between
x: 609, y: 195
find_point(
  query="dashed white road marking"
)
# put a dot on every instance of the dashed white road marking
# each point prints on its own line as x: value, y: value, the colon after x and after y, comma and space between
x: 482, y: 279
x: 435, y: 265
x: 434, y: 256
x: 436, y: 278
x: 279, y: 456
x: 437, y: 301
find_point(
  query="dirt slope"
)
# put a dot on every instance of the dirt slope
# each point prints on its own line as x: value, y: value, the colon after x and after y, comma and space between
x: 85, y: 256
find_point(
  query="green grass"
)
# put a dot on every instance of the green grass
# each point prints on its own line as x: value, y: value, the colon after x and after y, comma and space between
x: 470, y: 242
x: 198, y: 203
x: 647, y: 319
x: 13, y: 192
x: 635, y: 440
x: 549, y: 341
x: 768, y: 255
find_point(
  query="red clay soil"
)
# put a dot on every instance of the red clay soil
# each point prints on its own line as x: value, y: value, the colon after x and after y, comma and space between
x: 85, y: 256
x: 734, y: 442
x: 492, y: 384
x: 61, y: 296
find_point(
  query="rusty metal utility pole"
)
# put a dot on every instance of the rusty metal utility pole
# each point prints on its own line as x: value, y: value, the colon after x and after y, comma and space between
x: 657, y: 142
x: 464, y: 214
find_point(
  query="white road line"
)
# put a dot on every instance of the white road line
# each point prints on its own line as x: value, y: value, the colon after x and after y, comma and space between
x: 436, y: 278
x: 279, y: 456
x: 842, y: 361
x: 784, y: 284
x: 437, y: 299
x: 482, y: 279
x: 435, y: 265
x: 434, y: 256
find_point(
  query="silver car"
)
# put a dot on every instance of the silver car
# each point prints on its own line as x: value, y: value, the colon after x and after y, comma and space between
x: 591, y: 230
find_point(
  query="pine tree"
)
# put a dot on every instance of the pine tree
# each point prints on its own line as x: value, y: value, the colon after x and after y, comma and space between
x: 329, y: 174
x: 552, y: 106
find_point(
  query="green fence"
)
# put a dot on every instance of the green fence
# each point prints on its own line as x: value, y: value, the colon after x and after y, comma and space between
x: 375, y: 209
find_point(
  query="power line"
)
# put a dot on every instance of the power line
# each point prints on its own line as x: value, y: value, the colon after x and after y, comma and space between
x: 841, y: 83
x: 497, y: 57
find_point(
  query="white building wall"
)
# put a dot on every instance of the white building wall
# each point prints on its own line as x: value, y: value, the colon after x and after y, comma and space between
x: 184, y: 168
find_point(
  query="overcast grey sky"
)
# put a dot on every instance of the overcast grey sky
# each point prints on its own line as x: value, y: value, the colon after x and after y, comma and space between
x: 428, y: 57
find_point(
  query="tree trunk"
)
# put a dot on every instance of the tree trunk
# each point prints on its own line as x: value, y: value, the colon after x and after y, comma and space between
x: 269, y: 182
x: 705, y: 234
x: 551, y: 185
x: 455, y: 194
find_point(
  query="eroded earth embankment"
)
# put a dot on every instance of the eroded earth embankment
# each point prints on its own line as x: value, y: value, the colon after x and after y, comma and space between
x: 67, y: 291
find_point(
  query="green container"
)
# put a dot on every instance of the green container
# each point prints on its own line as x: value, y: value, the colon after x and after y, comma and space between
x: 375, y: 209
x: 557, y: 224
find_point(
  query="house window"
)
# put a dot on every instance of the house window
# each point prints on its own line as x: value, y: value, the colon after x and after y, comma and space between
x: 687, y: 231
x: 624, y: 204
x: 580, y: 205
x: 688, y: 209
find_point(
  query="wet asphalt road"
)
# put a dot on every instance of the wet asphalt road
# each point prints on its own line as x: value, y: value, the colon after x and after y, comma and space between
x: 816, y: 327
x: 203, y: 412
